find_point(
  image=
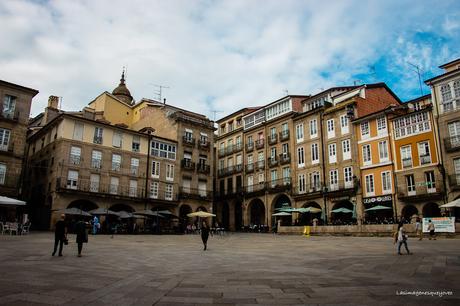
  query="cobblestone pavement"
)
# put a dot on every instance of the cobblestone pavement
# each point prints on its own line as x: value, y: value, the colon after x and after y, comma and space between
x: 238, y: 269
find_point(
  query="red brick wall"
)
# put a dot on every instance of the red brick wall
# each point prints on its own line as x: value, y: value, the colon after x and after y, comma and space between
x: 376, y: 100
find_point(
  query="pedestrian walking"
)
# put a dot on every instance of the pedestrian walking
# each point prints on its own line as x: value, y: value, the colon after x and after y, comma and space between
x: 418, y: 229
x: 431, y: 228
x: 60, y: 235
x: 96, y: 225
x: 402, y: 239
x: 205, y: 234
x: 82, y: 235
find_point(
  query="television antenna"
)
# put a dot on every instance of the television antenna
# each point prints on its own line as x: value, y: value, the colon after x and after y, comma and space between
x: 417, y: 70
x: 215, y: 112
x: 159, y: 91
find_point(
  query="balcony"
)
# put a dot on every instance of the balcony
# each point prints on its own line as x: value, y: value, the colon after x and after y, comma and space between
x: 452, y: 144
x: 279, y: 185
x: 97, y: 188
x: 272, y: 139
x: 284, y: 135
x: 407, y: 163
x: 237, y: 147
x: 425, y: 159
x: 203, y: 168
x: 204, y: 145
x: 96, y: 163
x: 116, y: 166
x: 285, y: 158
x: 342, y: 186
x: 260, y: 165
x: 454, y: 181
x: 10, y: 115
x: 222, y: 172
x: 250, y: 147
x: 311, y: 191
x: 255, y: 190
x: 191, y: 193
x: 187, y: 164
x: 249, y: 168
x: 134, y: 170
x: 75, y: 159
x: 188, y: 141
x: 238, y: 168
x: 423, y: 191
x: 97, y: 140
x: 272, y: 161
x: 260, y: 144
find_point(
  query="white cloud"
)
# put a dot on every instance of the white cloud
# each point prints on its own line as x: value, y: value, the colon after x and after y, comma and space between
x: 235, y: 53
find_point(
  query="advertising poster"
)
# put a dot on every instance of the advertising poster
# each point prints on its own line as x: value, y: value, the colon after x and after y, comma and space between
x: 441, y: 224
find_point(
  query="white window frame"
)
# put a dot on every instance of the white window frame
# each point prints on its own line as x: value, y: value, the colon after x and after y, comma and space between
x: 78, y: 131
x: 134, y: 169
x: 344, y: 125
x: 333, y: 180
x: 75, y: 155
x: 299, y: 132
x: 430, y: 181
x: 387, y: 187
x: 300, y: 157
x: 116, y: 165
x: 154, y: 190
x: 404, y: 151
x: 346, y: 149
x: 113, y: 189
x: 302, y: 184
x: 330, y: 128
x: 132, y: 188
x: 370, y: 184
x: 313, y: 128
x: 117, y: 139
x: 3, y: 169
x: 155, y: 171
x: 410, y: 184
x: 169, y: 172
x: 94, y: 183
x: 365, y: 130
x: 383, y: 151
x: 96, y: 159
x: 382, y: 125
x: 314, y: 153
x: 5, y: 136
x: 332, y: 152
x: 422, y: 148
x: 169, y: 192
x: 72, y: 179
x: 348, y: 177
x: 367, y: 152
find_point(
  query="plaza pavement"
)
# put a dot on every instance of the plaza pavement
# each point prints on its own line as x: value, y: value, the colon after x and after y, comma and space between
x: 238, y: 269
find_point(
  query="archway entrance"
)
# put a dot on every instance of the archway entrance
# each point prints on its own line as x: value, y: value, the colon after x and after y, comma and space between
x: 238, y: 216
x: 307, y: 218
x: 124, y: 224
x: 122, y: 207
x: 183, y: 219
x: 84, y: 205
x: 257, y: 212
x: 431, y: 210
x: 225, y: 216
x: 342, y: 213
x: 408, y: 211
x: 282, y: 201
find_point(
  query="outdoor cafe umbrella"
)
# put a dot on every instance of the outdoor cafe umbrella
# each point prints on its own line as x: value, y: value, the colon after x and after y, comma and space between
x: 342, y: 210
x: 201, y: 214
x: 455, y: 203
x: 103, y: 211
x: 5, y: 201
x: 281, y: 214
x: 124, y: 214
x: 76, y: 212
x: 148, y: 213
x: 378, y: 207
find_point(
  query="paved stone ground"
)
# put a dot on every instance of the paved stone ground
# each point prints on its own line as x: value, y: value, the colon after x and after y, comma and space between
x: 238, y: 269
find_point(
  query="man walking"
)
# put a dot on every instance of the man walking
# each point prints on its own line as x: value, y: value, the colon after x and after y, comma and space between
x: 418, y: 229
x: 431, y: 229
x: 402, y: 239
x: 60, y: 234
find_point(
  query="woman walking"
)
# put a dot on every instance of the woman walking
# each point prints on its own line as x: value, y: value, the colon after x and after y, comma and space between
x: 205, y: 234
x: 82, y: 235
x: 402, y: 239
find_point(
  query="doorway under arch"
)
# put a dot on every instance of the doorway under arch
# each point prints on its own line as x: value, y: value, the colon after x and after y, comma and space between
x: 238, y: 216
x: 122, y: 207
x: 225, y: 216
x: 340, y: 218
x: 408, y: 211
x: 307, y: 218
x: 84, y: 205
x: 431, y: 210
x: 282, y: 201
x: 257, y: 212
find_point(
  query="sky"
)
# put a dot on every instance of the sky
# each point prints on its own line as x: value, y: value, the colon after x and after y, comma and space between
x: 215, y: 57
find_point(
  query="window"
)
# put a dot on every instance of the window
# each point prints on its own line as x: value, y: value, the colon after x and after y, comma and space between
x: 134, y: 166
x: 406, y: 156
x: 344, y: 124
x: 446, y: 97
x: 313, y: 128
x: 169, y: 192
x: 332, y: 153
x: 424, y: 153
x: 261, y: 178
x: 250, y: 183
x: 315, y: 182
x: 132, y: 188
x: 330, y: 128
x: 278, y: 109
x: 117, y: 139
x: 169, y: 172
x: 9, y: 105
x: 413, y: 124
x: 154, y: 190
x: 2, y: 174
x: 164, y: 150
x: 302, y: 184
x: 410, y: 185
x: 239, y: 159
x: 72, y: 179
x: 250, y: 141
x: 96, y: 159
x: 386, y: 182
x: 186, y: 183
x: 222, y: 129
x: 299, y: 132
x: 203, y: 139
x: 367, y: 157
x: 430, y: 181
x: 346, y: 151
x: 348, y: 175
x: 4, y: 139
x: 381, y: 125
x: 300, y: 157
x: 286, y: 175
x: 188, y: 135
x: 285, y: 149
x: 333, y: 180
x: 78, y: 131
x: 457, y: 89
x: 98, y: 132
x: 383, y: 151
x: 94, y: 182
x: 202, y: 188
x: 273, y: 133
x: 370, y: 191
x: 116, y: 162
x: 273, y: 152
x: 238, y: 142
x: 365, y: 133
x: 274, y: 177
x: 314, y: 153
x: 155, y: 169
x: 250, y: 159
x: 75, y: 155
x: 136, y: 145
x: 454, y: 134
x: 457, y: 171
x: 114, y: 182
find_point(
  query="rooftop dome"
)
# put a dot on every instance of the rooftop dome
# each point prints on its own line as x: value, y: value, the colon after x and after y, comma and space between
x: 122, y: 92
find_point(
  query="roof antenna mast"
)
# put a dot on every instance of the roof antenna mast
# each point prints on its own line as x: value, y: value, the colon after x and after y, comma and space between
x: 419, y: 78
x: 159, y: 91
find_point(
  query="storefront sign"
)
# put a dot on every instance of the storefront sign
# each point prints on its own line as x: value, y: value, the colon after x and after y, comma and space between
x: 441, y: 224
x: 386, y: 198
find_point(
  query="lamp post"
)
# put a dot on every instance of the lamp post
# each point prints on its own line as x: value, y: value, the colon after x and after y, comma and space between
x: 149, y: 132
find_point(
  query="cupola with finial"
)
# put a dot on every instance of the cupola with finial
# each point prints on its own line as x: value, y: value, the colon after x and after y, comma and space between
x: 122, y: 92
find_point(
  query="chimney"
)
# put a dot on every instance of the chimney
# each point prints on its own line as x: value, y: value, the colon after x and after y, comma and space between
x: 53, y: 102
x: 164, y: 101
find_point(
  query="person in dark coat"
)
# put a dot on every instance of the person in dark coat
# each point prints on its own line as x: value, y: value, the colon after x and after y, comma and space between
x: 60, y: 235
x: 205, y: 234
x: 82, y: 235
